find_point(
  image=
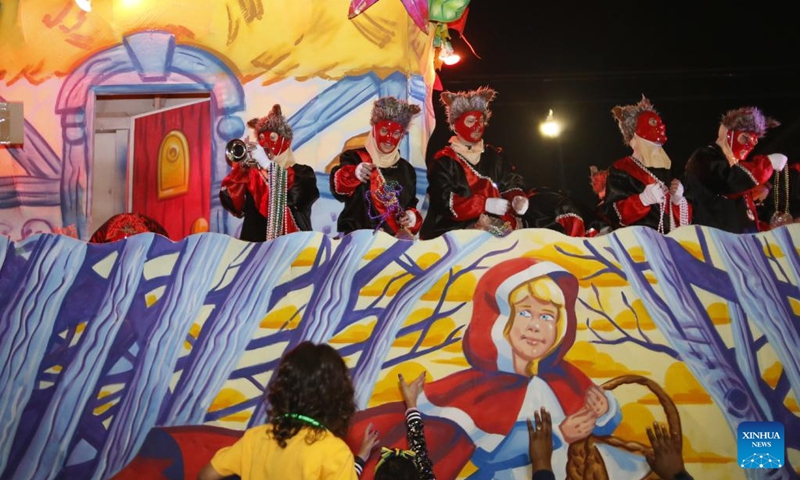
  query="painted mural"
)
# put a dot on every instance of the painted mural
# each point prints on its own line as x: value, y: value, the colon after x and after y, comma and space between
x: 139, y: 358
x: 106, y: 347
x: 325, y: 65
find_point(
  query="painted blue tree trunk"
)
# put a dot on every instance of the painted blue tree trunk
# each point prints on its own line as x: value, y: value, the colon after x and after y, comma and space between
x: 59, y: 420
x: 27, y: 324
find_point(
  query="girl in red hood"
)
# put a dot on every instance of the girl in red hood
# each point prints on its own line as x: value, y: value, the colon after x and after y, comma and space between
x: 523, y: 323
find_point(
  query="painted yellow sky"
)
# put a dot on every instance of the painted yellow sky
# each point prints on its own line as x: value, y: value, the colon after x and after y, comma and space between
x: 315, y: 38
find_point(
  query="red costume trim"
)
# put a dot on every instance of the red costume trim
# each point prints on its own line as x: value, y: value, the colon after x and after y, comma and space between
x: 345, y: 180
x: 573, y: 225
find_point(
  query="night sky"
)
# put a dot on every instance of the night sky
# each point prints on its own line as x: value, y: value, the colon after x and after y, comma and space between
x: 583, y: 60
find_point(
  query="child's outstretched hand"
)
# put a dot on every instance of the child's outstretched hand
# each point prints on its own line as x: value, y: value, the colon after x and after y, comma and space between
x: 370, y: 441
x: 540, y: 438
x: 667, y: 458
x: 411, y: 390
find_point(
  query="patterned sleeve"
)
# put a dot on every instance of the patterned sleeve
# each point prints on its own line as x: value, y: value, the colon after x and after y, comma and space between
x: 359, y: 465
x: 416, y: 442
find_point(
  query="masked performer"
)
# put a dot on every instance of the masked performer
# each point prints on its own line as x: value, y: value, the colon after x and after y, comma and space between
x: 470, y: 184
x: 721, y: 182
x: 640, y: 189
x: 377, y: 186
x: 273, y: 194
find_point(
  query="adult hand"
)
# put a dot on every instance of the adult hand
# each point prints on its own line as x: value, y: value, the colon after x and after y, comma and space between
x: 411, y: 391
x: 596, y: 401
x: 407, y: 219
x: 260, y: 156
x: 676, y: 191
x: 653, y: 193
x: 496, y: 206
x: 666, y: 459
x: 540, y: 440
x: 363, y: 171
x: 778, y: 161
x: 578, y: 425
x: 760, y: 193
x: 520, y: 204
x: 369, y: 442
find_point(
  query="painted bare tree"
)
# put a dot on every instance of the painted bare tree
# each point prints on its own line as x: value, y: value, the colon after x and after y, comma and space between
x: 106, y: 355
x: 376, y: 348
x: 731, y: 376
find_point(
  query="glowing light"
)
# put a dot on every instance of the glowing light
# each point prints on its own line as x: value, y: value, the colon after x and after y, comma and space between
x: 85, y: 5
x: 451, y: 59
x: 550, y: 127
x: 447, y: 55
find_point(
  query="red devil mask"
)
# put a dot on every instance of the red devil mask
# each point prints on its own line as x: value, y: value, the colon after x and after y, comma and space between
x: 387, y: 135
x: 650, y: 127
x: 470, y: 126
x: 273, y: 143
x: 741, y: 143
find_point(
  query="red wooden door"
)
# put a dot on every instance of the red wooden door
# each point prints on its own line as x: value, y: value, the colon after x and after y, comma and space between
x: 171, y: 179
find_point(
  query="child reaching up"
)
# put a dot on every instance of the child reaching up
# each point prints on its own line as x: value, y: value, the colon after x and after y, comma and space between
x: 396, y: 463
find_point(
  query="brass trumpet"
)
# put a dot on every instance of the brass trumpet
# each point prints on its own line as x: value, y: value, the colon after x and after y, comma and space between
x: 238, y: 151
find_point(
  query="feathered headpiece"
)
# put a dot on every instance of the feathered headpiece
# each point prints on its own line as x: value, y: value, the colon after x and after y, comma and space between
x: 273, y: 122
x: 748, y: 119
x: 627, y: 115
x: 394, y: 110
x: 459, y: 103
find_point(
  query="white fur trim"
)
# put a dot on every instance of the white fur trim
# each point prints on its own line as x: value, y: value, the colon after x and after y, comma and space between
x: 450, y: 206
x: 619, y: 215
x: 568, y: 215
x: 749, y: 174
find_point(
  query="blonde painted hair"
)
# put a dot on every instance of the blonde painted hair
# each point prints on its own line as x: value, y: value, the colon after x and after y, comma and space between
x: 544, y: 289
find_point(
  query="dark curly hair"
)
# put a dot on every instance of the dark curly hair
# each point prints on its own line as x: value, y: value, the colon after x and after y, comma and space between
x: 312, y: 381
x: 397, y: 468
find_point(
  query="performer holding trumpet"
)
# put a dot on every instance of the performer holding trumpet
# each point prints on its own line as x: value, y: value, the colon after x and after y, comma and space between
x: 272, y: 192
x: 376, y: 185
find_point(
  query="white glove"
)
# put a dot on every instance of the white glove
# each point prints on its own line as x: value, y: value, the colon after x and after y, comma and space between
x: 778, y: 161
x: 676, y: 192
x: 496, y: 206
x: 408, y: 219
x: 260, y: 156
x: 363, y: 171
x: 520, y: 204
x: 653, y: 193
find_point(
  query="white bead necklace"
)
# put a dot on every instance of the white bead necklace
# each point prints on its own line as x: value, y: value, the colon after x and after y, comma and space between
x: 662, y: 206
x: 276, y: 183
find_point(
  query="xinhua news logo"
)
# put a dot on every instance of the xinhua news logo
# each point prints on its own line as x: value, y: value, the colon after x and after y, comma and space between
x: 760, y: 445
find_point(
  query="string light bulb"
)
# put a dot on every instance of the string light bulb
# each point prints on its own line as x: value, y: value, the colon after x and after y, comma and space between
x: 85, y: 5
x: 550, y: 127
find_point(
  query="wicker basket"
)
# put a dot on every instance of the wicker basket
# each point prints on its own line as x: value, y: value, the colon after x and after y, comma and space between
x: 584, y: 461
